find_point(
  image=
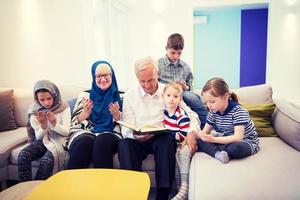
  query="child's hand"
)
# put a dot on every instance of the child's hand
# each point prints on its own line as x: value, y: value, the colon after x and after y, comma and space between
x: 206, y: 137
x: 42, y: 119
x: 182, y: 144
x: 52, y: 118
x: 183, y: 85
x: 191, y: 142
x: 114, y: 109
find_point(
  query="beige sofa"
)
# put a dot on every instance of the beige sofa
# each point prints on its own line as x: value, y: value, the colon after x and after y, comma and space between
x: 273, y: 173
x: 270, y: 174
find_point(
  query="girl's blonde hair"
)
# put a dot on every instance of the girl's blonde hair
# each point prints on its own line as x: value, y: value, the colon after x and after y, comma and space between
x: 174, y: 85
x: 218, y: 87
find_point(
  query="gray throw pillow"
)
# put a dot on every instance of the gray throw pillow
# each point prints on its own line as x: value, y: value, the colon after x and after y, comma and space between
x: 7, y: 118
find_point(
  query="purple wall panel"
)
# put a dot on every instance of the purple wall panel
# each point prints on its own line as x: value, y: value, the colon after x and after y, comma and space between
x: 254, y: 24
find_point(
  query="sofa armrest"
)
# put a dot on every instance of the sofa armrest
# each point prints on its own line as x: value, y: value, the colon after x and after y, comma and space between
x: 286, y: 122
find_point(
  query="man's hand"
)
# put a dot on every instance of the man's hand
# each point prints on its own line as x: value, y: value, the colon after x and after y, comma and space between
x: 191, y: 142
x: 142, y: 138
x: 114, y: 109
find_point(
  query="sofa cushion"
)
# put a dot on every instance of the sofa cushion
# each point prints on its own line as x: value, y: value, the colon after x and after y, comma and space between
x: 10, y: 140
x: 7, y: 118
x: 254, y: 94
x: 286, y: 120
x: 251, y: 94
x: 72, y: 103
x: 261, y: 115
x: 19, y: 191
x: 272, y: 173
x: 23, y: 99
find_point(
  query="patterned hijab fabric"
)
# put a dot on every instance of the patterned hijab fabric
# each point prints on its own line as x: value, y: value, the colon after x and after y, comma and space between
x: 57, y: 107
x: 101, y: 116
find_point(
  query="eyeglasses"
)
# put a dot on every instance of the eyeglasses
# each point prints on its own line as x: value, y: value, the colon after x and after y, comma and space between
x: 105, y: 76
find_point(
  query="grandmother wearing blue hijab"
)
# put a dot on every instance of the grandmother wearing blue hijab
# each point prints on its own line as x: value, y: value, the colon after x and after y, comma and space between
x: 94, y: 135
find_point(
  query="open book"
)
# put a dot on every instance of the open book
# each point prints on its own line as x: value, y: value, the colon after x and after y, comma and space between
x: 151, y: 129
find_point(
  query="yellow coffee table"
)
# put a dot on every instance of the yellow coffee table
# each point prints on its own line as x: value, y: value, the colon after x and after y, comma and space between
x: 90, y: 184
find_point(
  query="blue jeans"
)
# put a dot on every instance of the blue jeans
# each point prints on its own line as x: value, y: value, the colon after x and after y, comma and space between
x: 194, y: 102
x: 234, y: 150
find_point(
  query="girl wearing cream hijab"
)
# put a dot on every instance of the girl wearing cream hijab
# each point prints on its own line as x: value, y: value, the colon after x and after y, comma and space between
x: 48, y: 126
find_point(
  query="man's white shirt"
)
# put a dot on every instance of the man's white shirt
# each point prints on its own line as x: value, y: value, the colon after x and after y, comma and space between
x: 141, y: 108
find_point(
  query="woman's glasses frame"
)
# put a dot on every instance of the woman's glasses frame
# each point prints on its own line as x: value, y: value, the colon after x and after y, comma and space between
x: 106, y: 76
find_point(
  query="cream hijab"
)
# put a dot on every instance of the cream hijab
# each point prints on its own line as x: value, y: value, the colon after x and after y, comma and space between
x: 57, y: 107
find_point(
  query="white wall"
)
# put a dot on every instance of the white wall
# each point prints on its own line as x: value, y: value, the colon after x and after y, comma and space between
x: 283, y: 60
x: 48, y: 39
x: 283, y: 64
x: 60, y: 39
x: 149, y: 23
x: 56, y: 39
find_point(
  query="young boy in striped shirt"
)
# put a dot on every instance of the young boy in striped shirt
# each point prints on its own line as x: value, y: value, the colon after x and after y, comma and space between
x: 178, y: 122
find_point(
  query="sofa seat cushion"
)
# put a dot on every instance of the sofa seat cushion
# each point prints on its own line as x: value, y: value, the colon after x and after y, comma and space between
x: 19, y: 191
x: 148, y: 164
x: 10, y: 140
x: 15, y: 154
x: 273, y: 173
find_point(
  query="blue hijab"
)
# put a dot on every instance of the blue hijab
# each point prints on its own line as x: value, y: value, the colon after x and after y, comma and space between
x: 100, y: 116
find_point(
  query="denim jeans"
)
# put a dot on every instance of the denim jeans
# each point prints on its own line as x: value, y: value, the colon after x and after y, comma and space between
x: 194, y: 102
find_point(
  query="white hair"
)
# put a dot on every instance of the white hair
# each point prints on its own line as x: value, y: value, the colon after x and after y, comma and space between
x: 143, y: 63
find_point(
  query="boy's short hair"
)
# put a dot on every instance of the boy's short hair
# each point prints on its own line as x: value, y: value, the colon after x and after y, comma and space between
x: 175, y: 41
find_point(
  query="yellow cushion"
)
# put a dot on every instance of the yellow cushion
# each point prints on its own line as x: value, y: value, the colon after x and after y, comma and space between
x: 261, y: 115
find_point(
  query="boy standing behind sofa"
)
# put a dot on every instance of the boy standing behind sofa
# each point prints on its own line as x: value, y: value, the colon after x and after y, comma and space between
x: 172, y: 69
x: 48, y: 126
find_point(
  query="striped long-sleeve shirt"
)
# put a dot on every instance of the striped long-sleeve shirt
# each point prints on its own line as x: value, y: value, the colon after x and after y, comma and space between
x: 178, y: 123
